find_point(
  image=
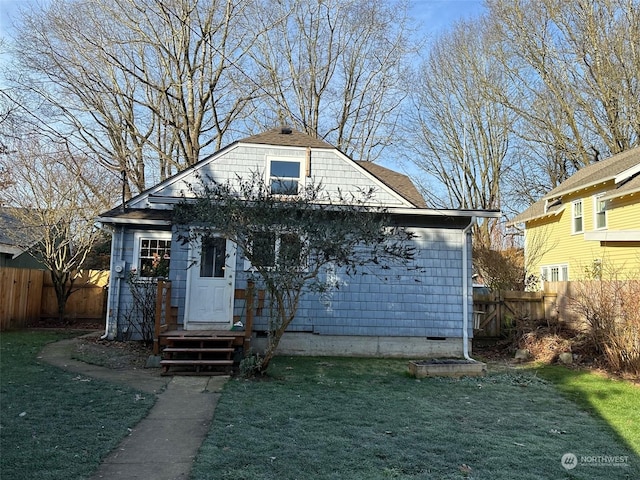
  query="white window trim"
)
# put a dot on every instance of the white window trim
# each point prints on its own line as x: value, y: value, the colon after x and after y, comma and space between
x: 573, y: 216
x: 137, y: 245
x: 248, y: 267
x: 561, y: 268
x: 301, y: 176
x: 596, y: 200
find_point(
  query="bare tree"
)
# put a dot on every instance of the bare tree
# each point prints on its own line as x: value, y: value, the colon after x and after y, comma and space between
x: 458, y: 137
x: 559, y: 81
x: 55, y: 209
x: 334, y: 69
x: 574, y: 80
x: 147, y: 86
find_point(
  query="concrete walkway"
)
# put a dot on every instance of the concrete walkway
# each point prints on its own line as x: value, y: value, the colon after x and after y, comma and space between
x: 163, y: 445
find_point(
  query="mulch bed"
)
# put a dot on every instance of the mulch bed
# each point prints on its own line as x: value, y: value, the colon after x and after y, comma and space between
x: 67, y: 323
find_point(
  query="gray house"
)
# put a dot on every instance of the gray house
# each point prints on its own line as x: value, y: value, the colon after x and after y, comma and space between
x: 417, y: 311
x: 15, y: 235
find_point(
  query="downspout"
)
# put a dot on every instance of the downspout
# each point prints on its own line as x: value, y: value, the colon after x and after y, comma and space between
x: 116, y: 246
x: 465, y: 291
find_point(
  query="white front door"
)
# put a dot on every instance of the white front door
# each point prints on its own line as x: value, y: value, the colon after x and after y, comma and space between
x: 210, y: 284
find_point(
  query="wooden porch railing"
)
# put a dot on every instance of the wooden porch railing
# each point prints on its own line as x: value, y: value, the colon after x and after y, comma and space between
x: 251, y: 309
x: 164, y: 318
x: 165, y: 315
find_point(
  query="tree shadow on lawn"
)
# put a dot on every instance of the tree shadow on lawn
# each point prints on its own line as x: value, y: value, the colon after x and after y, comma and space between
x: 366, y: 418
x: 613, y: 402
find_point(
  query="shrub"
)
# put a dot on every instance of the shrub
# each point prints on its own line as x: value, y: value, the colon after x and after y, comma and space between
x: 611, y: 309
x: 138, y: 319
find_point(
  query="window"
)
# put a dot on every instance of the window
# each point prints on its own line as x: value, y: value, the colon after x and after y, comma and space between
x: 263, y: 248
x: 153, y: 255
x: 554, y: 273
x: 266, y: 247
x: 594, y: 271
x: 577, y: 216
x: 284, y: 177
x: 600, y: 212
x: 289, y: 250
x: 212, y: 257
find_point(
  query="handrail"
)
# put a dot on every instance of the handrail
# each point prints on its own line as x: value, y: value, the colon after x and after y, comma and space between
x: 163, y: 299
x: 248, y: 326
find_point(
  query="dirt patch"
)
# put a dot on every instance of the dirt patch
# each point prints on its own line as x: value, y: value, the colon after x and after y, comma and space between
x: 67, y: 323
x: 545, y: 343
x: 111, y: 354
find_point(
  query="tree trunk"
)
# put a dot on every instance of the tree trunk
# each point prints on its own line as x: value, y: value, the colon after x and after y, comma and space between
x: 285, y: 317
x: 62, y: 284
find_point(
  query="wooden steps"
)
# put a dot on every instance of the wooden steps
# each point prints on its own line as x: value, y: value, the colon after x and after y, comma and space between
x: 200, y: 352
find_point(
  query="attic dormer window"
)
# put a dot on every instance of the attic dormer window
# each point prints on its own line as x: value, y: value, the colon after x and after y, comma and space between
x: 284, y: 177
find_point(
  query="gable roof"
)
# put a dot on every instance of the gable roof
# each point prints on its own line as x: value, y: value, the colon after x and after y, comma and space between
x: 623, y: 169
x: 11, y: 220
x: 286, y: 137
x: 398, y: 182
x: 598, y: 172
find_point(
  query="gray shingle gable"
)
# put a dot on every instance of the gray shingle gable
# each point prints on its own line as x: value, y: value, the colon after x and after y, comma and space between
x: 398, y: 184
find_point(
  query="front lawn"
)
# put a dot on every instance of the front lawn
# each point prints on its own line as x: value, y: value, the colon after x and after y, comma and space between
x: 56, y: 424
x: 322, y: 418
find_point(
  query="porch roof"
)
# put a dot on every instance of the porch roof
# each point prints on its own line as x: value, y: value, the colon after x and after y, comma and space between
x: 137, y: 216
x: 158, y: 217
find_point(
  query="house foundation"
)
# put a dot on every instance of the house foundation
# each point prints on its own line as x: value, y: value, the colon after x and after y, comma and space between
x: 309, y: 344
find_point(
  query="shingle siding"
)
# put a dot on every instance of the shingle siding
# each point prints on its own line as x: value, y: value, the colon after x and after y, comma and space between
x: 390, y: 302
x: 424, y: 301
x: 334, y: 171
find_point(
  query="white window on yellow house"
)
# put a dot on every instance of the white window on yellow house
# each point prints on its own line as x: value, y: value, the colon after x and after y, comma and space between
x: 554, y: 273
x: 576, y: 210
x: 600, y: 213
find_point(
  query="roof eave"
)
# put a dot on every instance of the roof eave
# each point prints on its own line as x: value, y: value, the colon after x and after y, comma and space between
x: 553, y: 213
x: 617, y: 194
x: 445, y: 212
x: 133, y: 221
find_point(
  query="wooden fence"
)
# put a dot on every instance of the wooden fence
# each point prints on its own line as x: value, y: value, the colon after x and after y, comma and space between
x: 28, y: 295
x: 496, y: 311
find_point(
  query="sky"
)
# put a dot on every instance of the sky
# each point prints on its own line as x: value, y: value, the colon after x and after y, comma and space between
x: 435, y: 15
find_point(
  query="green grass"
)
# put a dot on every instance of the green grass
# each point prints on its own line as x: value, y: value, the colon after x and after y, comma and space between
x: 56, y: 424
x: 367, y: 419
x: 615, y: 402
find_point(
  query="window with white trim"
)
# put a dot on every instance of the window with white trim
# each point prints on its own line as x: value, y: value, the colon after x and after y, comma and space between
x: 576, y: 209
x: 285, y: 176
x: 213, y: 256
x: 152, y: 254
x: 600, y: 213
x: 269, y: 247
x: 554, y: 273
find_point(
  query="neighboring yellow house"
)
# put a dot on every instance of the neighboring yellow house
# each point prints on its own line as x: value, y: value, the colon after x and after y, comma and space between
x: 589, y: 225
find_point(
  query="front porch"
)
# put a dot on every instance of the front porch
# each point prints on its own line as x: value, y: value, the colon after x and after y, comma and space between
x: 201, y: 352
